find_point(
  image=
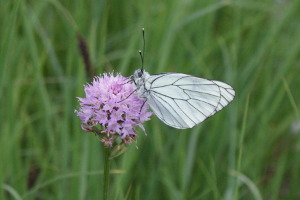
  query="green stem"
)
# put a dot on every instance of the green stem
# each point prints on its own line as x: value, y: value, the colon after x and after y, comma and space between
x: 106, y: 172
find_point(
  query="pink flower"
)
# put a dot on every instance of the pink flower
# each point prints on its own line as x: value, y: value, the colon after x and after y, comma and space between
x: 111, y: 109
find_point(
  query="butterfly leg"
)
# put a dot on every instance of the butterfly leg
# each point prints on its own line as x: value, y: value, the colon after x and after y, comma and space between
x: 143, y: 105
x: 130, y: 80
x: 127, y: 96
x: 142, y: 108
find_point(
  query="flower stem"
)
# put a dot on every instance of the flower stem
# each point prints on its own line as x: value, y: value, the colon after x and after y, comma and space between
x: 106, y: 172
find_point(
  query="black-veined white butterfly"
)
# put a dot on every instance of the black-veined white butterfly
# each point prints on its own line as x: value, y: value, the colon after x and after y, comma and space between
x: 180, y: 100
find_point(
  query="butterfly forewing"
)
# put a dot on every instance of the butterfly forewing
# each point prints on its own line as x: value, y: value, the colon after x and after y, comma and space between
x: 164, y: 79
x: 183, y: 101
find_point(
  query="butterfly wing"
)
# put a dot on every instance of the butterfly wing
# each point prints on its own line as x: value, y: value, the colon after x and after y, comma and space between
x: 183, y: 101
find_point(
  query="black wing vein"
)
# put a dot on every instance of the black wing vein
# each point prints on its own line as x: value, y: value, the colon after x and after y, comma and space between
x: 185, y: 113
x: 198, y: 92
x: 171, y: 108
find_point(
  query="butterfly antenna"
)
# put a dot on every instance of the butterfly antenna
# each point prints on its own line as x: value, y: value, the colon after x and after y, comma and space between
x: 142, y: 58
x: 142, y: 54
x: 144, y: 45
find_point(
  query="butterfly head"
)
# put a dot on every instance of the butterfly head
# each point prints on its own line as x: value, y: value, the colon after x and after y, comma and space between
x: 138, y: 73
x: 140, y: 76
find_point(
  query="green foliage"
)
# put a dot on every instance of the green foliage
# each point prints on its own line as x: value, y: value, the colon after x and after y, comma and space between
x: 247, y: 151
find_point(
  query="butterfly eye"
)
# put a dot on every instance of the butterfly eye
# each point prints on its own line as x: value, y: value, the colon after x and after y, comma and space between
x: 140, y: 73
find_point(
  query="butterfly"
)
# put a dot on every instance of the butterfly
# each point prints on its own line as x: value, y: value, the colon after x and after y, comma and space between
x: 180, y: 100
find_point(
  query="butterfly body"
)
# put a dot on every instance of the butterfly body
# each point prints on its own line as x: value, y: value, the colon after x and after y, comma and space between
x: 142, y: 85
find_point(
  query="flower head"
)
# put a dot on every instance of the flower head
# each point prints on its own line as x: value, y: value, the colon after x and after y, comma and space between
x: 112, y: 109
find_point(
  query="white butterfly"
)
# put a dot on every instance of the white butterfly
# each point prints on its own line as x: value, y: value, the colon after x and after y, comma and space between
x: 180, y: 100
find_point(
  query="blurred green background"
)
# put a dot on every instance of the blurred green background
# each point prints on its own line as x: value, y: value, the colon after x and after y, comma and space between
x: 250, y: 150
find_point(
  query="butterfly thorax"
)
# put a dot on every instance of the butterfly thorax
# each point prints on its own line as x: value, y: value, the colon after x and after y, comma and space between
x: 140, y: 79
